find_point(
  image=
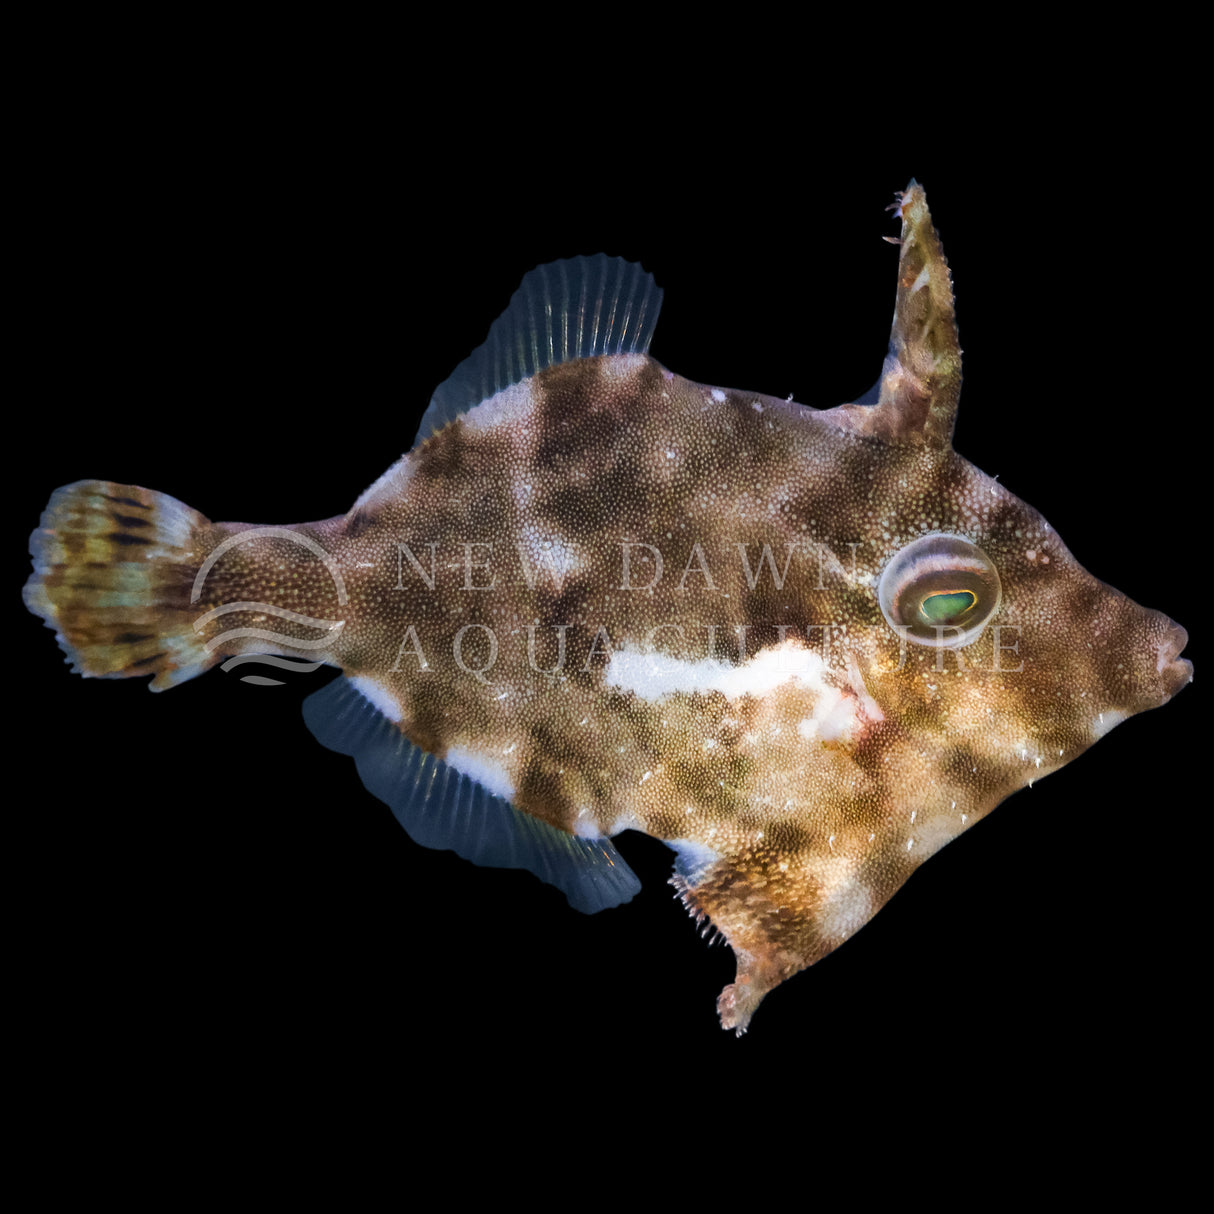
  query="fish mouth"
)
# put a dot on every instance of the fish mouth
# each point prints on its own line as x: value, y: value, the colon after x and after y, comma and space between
x: 1174, y: 671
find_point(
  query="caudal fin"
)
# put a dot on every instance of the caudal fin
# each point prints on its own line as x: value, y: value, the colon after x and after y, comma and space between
x: 114, y: 567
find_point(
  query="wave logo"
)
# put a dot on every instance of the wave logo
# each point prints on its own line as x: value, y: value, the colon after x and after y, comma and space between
x: 330, y: 628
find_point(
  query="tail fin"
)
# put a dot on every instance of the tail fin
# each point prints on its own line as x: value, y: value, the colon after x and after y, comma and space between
x: 114, y: 567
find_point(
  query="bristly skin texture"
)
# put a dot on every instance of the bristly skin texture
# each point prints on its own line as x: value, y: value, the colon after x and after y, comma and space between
x: 618, y: 600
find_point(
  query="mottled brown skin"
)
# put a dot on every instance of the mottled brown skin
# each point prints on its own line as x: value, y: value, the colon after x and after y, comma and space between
x: 809, y: 801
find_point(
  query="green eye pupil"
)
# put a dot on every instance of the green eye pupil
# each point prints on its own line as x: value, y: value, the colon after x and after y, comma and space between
x: 940, y: 608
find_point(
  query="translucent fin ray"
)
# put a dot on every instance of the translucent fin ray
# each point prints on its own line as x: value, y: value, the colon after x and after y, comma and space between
x: 581, y: 307
x: 113, y: 569
x: 442, y: 808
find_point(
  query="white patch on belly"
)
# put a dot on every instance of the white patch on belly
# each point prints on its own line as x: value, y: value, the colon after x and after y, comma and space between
x: 847, y: 907
x: 625, y: 820
x: 694, y: 858
x: 1106, y: 720
x: 370, y: 690
x: 654, y: 675
x: 485, y: 770
x: 833, y: 717
x: 586, y: 825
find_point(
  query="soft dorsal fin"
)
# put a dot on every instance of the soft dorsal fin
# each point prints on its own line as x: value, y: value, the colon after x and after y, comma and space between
x: 443, y: 808
x: 576, y: 308
x: 914, y: 403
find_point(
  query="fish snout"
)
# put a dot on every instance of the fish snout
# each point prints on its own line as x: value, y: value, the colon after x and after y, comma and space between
x: 1174, y: 671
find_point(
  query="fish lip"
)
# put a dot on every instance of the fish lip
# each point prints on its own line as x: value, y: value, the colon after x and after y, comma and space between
x: 1172, y: 645
x: 1175, y: 672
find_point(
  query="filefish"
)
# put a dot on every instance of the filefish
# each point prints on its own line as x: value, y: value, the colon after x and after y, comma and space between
x: 804, y: 648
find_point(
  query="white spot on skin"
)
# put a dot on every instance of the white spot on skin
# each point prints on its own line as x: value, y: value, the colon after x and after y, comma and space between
x: 694, y: 857
x: 550, y: 557
x: 869, y: 706
x: 1106, y: 720
x: 625, y: 820
x: 511, y: 408
x: 370, y: 690
x: 835, y: 710
x: 717, y: 394
x: 623, y: 367
x: 847, y: 904
x: 833, y: 717
x: 389, y: 486
x: 654, y: 675
x: 482, y: 768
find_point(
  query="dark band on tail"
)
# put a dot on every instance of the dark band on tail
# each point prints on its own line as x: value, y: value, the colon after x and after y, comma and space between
x: 114, y: 566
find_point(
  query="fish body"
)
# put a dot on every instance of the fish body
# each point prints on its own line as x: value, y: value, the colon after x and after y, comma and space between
x: 803, y: 648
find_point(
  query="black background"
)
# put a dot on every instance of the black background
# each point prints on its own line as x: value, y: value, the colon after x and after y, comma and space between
x: 244, y: 297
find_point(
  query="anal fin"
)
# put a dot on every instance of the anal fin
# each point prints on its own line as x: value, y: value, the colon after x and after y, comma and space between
x: 442, y: 808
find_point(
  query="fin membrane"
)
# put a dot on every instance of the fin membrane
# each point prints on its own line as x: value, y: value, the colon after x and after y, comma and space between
x: 577, y: 308
x: 444, y: 809
x: 114, y: 566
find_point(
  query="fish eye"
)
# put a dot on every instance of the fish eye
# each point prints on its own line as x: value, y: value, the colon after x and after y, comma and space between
x: 940, y: 590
